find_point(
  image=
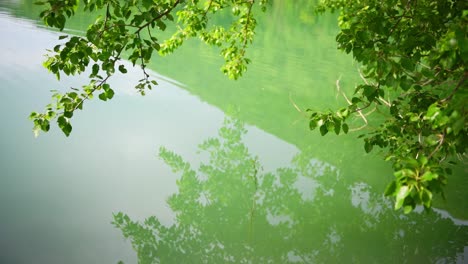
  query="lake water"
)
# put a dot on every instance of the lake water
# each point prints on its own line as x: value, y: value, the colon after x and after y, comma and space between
x: 263, y: 189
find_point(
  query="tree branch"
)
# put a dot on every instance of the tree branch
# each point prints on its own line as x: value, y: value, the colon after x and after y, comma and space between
x: 247, y: 23
x: 158, y: 17
x: 460, y: 83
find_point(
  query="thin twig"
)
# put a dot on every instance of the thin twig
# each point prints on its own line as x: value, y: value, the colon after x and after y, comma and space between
x: 401, y: 17
x: 363, y: 78
x: 247, y: 24
x: 143, y: 65
x: 103, y: 81
x: 295, y: 106
x: 359, y: 111
x: 384, y: 101
x: 158, y: 17
x: 460, y: 83
x: 441, y: 141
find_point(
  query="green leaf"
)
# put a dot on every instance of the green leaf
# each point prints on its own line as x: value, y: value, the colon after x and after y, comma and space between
x: 105, y: 86
x: 103, y: 96
x: 407, y: 209
x: 337, y: 127
x: 369, y: 91
x: 313, y: 124
x: 161, y: 25
x: 402, y: 193
x: 45, y: 126
x: 429, y: 176
x: 330, y: 125
x: 407, y: 64
x: 391, y: 189
x: 432, y: 111
x: 426, y: 197
x: 323, y: 130
x: 60, y: 22
x: 64, y: 125
x: 345, y: 128
x: 344, y: 113
x: 109, y: 93
x: 423, y: 160
x: 122, y: 69
x: 356, y: 100
x: 368, y: 146
x: 95, y: 70
x: 405, y: 83
x: 68, y: 114
x: 74, y: 58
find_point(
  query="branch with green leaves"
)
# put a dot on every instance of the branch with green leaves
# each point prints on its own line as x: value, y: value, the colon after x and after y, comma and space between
x: 129, y: 30
x: 415, y: 52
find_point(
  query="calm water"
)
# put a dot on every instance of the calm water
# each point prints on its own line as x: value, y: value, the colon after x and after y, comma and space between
x: 263, y: 189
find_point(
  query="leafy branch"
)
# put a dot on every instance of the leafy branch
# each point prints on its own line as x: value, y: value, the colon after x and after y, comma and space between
x: 416, y: 62
x: 129, y: 28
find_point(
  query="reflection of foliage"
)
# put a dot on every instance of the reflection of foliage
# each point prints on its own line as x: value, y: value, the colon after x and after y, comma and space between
x: 229, y: 210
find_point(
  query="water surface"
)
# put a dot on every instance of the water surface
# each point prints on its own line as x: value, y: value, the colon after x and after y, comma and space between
x: 315, y: 199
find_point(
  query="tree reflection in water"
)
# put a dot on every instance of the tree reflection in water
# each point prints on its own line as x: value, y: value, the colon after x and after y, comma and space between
x: 229, y: 210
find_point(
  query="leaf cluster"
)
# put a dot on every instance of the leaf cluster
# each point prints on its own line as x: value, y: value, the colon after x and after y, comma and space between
x: 414, y: 57
x: 131, y: 30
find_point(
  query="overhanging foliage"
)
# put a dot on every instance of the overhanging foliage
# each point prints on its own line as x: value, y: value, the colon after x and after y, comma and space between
x: 413, y: 55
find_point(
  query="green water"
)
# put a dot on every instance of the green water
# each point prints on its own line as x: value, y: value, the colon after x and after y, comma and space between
x: 277, y: 193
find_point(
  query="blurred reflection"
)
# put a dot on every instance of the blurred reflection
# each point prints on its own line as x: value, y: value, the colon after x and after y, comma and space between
x: 230, y: 210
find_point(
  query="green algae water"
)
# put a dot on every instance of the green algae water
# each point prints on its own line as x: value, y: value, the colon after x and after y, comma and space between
x: 223, y: 171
